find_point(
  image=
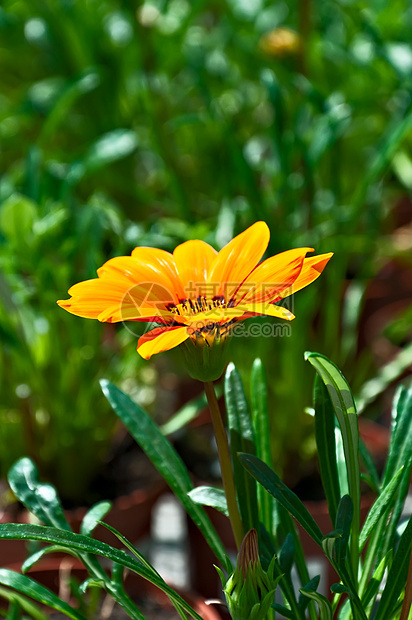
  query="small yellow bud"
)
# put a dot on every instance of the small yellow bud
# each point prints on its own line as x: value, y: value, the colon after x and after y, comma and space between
x: 280, y: 42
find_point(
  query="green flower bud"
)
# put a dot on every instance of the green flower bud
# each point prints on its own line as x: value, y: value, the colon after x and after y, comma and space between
x: 249, y: 591
x: 206, y: 353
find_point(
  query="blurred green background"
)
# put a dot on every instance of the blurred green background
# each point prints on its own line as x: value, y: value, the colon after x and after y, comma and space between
x: 150, y: 123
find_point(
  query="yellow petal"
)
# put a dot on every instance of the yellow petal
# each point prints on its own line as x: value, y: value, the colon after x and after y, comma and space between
x: 267, y: 309
x: 193, y: 260
x: 238, y: 258
x: 112, y: 301
x: 163, y: 264
x: 272, y: 276
x: 311, y: 269
x: 161, y: 339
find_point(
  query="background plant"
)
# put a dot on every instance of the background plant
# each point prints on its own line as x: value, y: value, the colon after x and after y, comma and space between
x: 155, y: 122
x: 371, y: 559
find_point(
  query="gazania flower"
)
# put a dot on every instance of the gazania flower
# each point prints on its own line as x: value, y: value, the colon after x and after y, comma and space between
x: 195, y: 295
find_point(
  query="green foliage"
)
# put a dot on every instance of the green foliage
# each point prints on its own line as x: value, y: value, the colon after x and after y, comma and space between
x: 150, y: 125
x: 164, y: 457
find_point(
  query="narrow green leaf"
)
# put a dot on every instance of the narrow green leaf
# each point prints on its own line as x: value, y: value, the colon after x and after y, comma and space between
x: 401, y: 436
x: 41, y: 499
x: 34, y: 590
x: 185, y: 415
x: 284, y: 611
x: 396, y: 577
x: 24, y: 603
x: 90, y: 583
x: 108, y: 148
x: 400, y: 454
x: 339, y: 588
x: 241, y: 440
x: 311, y: 586
x: 260, y: 419
x: 13, y: 612
x: 325, y: 608
x: 370, y: 467
x: 378, y: 509
x: 325, y: 441
x: 163, y: 456
x: 375, y: 581
x: 273, y: 484
x: 147, y: 565
x: 86, y: 544
x: 133, y: 549
x: 287, y: 554
x: 345, y: 411
x: 35, y: 557
x: 210, y: 496
x: 343, y: 522
x: 93, y: 516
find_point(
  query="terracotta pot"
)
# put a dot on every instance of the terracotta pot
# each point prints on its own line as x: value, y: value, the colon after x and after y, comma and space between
x: 130, y: 514
x: 55, y: 572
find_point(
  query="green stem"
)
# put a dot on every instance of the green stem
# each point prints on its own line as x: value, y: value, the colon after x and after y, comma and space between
x: 407, y: 601
x: 225, y: 463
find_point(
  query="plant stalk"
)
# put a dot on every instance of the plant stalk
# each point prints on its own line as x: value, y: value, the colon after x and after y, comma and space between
x: 407, y: 601
x: 225, y: 464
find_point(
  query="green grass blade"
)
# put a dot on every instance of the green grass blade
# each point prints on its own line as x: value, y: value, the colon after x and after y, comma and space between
x: 345, y: 411
x: 24, y: 603
x: 325, y: 608
x: 163, y: 456
x: 34, y: 590
x: 93, y: 516
x: 86, y: 544
x: 41, y: 499
x: 325, y: 441
x: 187, y: 413
x: 396, y: 577
x: 273, y: 484
x: 379, y: 507
x: 260, y: 419
x: 210, y: 496
x: 241, y: 440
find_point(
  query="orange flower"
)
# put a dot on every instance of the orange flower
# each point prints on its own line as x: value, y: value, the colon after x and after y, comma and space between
x: 195, y: 294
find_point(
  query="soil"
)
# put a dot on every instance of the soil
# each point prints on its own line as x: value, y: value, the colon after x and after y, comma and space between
x: 150, y: 608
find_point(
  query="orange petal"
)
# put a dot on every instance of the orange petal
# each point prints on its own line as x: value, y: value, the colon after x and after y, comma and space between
x: 272, y: 276
x: 311, y: 269
x: 238, y: 258
x: 267, y: 309
x: 162, y: 263
x: 161, y: 339
x: 112, y: 301
x: 193, y: 260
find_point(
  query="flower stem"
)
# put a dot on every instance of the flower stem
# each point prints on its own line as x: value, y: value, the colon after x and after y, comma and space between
x: 406, y: 606
x: 225, y: 464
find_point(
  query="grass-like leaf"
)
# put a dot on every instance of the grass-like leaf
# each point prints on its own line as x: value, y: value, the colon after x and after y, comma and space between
x: 273, y: 484
x: 41, y: 499
x: 260, y: 420
x: 396, y: 577
x: 325, y: 441
x: 29, y: 587
x: 345, y: 411
x: 241, y: 440
x: 86, y: 544
x: 210, y: 496
x: 164, y: 457
x: 379, y: 507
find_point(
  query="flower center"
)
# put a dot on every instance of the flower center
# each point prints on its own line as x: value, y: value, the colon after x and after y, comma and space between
x: 191, y: 307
